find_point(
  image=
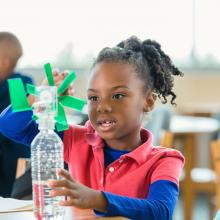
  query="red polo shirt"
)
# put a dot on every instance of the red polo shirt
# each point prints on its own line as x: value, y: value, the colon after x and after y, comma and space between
x: 130, y: 175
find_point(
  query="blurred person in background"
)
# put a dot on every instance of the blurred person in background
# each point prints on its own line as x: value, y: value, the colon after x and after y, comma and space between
x: 10, y: 53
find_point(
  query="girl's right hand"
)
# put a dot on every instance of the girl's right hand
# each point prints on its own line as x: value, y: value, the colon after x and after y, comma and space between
x: 77, y: 194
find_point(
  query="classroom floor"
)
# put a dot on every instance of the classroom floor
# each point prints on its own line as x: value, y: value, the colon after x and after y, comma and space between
x: 201, y: 211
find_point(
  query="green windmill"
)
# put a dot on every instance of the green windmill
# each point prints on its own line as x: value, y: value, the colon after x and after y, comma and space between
x: 20, y: 103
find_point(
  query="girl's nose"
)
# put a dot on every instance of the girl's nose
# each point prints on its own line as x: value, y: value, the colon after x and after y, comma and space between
x: 104, y: 107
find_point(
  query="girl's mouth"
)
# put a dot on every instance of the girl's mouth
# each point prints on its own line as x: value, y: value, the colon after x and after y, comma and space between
x: 106, y: 125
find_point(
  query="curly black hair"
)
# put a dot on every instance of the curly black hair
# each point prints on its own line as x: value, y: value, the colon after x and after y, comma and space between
x: 154, y: 66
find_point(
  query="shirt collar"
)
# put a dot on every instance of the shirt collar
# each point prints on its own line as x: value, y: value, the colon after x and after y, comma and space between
x: 92, y: 136
x: 139, y: 154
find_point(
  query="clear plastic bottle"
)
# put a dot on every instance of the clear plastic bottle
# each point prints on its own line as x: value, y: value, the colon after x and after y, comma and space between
x: 46, y: 158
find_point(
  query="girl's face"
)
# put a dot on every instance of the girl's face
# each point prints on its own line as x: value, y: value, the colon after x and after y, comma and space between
x: 117, y: 102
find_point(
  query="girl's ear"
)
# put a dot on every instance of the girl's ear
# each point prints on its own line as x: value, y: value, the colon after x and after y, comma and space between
x: 149, y: 101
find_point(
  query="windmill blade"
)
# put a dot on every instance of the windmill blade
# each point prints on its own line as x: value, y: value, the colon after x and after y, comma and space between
x: 72, y: 102
x: 31, y: 89
x: 34, y: 117
x: 66, y: 82
x: 20, y: 103
x: 49, y: 74
x: 61, y: 124
x: 18, y: 97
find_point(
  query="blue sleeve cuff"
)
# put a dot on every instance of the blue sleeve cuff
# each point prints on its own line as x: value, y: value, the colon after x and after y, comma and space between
x: 158, y: 205
x: 125, y: 206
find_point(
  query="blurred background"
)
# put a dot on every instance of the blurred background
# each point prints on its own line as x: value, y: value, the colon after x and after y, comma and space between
x: 70, y: 33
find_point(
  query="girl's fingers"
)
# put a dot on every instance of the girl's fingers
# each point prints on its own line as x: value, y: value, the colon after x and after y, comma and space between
x: 63, y: 192
x: 59, y: 183
x: 58, y: 77
x: 65, y: 73
x: 71, y: 86
x: 58, y: 80
x: 56, y: 71
x: 70, y: 91
x: 71, y: 202
x: 65, y: 174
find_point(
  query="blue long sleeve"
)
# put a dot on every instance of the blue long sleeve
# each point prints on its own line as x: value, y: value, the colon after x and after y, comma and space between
x: 159, y: 204
x: 19, y: 126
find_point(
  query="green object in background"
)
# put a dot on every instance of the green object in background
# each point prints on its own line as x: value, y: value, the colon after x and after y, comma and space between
x: 18, y: 96
x: 20, y: 103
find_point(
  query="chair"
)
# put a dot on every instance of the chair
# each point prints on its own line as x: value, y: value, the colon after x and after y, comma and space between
x: 215, y: 149
x: 166, y: 139
x: 199, y: 180
x: 158, y: 120
x: 22, y: 187
x: 193, y: 180
x: 202, y: 178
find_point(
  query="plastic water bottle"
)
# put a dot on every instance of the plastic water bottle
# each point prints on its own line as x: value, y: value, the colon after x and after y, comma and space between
x: 46, y: 158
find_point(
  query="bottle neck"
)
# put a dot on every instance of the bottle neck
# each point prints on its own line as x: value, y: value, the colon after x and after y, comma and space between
x: 46, y: 123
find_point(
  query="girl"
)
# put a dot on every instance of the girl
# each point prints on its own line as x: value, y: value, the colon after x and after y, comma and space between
x: 114, y: 168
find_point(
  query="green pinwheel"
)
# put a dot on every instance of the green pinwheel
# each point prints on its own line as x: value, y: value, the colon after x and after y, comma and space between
x: 20, y: 103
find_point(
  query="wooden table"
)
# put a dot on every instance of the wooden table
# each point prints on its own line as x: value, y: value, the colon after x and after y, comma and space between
x: 70, y: 214
x: 187, y: 128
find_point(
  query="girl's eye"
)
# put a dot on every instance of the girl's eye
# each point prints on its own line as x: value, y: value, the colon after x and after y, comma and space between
x: 118, y: 96
x: 93, y: 98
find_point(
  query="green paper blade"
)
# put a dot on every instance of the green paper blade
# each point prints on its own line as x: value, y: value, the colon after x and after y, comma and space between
x: 61, y: 124
x: 61, y: 127
x: 72, y: 102
x: 31, y: 89
x: 49, y: 74
x: 66, y: 82
x: 18, y: 97
x: 34, y: 117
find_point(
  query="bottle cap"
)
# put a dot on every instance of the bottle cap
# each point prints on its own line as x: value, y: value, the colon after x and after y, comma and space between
x: 46, y: 101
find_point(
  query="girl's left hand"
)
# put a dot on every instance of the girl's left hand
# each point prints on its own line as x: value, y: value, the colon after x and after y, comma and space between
x: 77, y: 194
x: 58, y: 77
